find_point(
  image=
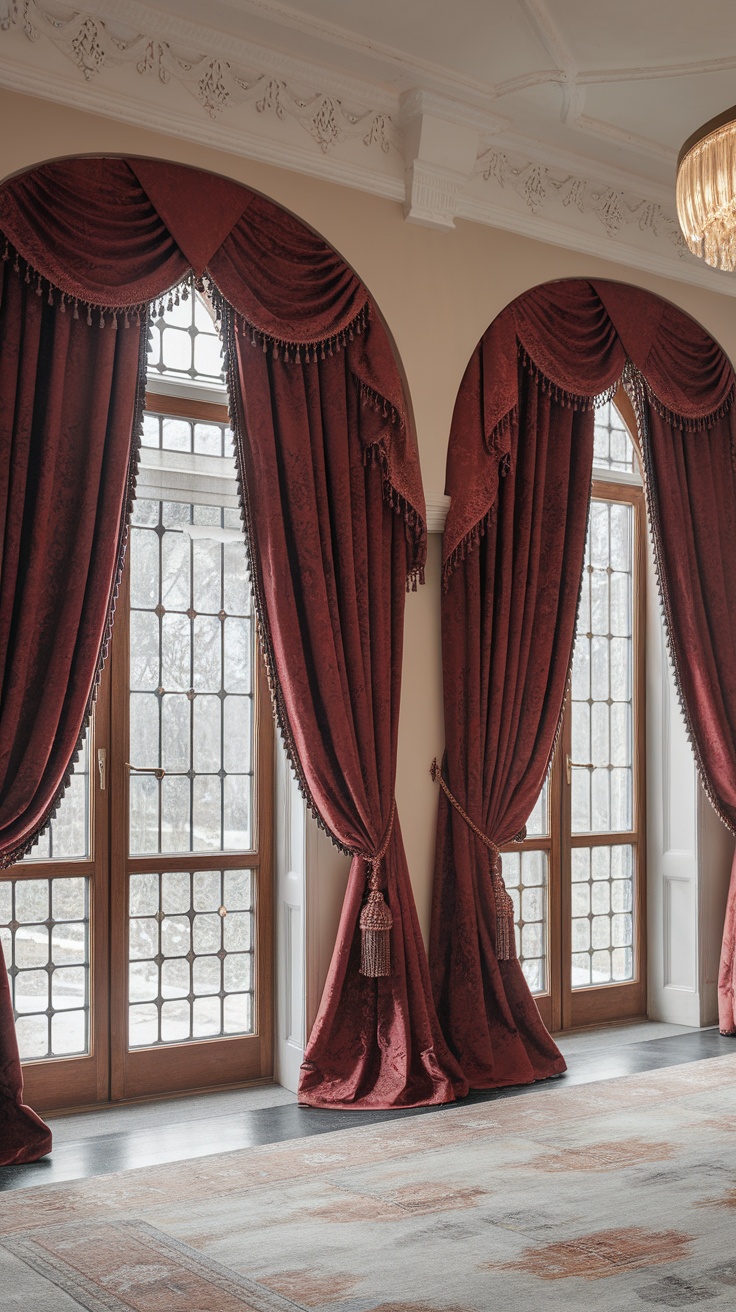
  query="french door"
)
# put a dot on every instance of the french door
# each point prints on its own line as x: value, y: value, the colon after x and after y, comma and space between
x: 579, y: 879
x: 138, y: 932
x: 190, y: 871
x: 54, y: 927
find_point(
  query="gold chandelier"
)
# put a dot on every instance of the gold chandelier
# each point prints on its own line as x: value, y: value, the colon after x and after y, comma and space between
x: 706, y: 191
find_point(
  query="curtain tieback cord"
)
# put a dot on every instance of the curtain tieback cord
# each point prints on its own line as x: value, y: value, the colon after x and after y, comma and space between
x: 505, y: 940
x: 376, y: 920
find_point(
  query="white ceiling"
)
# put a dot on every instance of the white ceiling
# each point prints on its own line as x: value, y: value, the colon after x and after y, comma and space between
x: 623, y: 83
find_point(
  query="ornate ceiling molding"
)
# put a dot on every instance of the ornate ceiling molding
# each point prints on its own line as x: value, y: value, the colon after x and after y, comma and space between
x: 92, y: 44
x: 444, y: 157
x: 615, y: 209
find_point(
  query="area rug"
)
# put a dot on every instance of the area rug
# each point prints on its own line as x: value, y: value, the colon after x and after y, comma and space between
x: 616, y: 1196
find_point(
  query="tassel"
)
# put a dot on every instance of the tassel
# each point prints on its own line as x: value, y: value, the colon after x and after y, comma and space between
x: 505, y: 938
x: 376, y: 923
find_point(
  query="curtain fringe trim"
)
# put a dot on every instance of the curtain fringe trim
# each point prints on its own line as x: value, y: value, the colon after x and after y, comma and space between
x: 683, y: 422
x: 491, y: 440
x: 376, y: 454
x: 468, y: 543
x: 281, y: 348
x: 264, y: 633
x: 560, y: 395
x: 133, y: 461
x: 638, y: 392
x: 81, y: 308
x: 578, y: 402
x: 568, y: 400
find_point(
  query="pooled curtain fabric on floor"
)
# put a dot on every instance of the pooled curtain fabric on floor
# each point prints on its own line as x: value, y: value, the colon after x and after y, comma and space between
x: 88, y: 244
x: 508, y: 608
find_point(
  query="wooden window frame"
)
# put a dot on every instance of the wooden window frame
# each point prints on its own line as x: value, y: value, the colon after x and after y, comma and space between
x: 60, y: 1082
x: 560, y: 1006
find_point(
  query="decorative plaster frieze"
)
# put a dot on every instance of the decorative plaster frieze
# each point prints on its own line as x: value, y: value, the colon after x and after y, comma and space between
x: 444, y: 158
x: 615, y: 209
x: 93, y: 44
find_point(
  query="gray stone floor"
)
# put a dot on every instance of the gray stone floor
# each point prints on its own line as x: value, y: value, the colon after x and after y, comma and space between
x: 177, y: 1129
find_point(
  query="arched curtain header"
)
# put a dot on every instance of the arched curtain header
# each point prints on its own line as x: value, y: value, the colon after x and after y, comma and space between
x: 578, y: 336
x: 119, y: 233
x: 112, y: 235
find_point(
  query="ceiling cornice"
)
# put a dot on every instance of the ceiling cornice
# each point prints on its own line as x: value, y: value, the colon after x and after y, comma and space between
x: 220, y: 137
x: 189, y: 37
x: 125, y: 61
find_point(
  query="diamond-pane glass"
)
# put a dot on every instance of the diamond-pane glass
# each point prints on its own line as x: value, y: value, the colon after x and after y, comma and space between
x: 602, y: 915
x: 44, y: 932
x: 525, y: 876
x: 67, y: 837
x: 537, y: 826
x: 612, y: 445
x: 191, y: 680
x: 602, y: 769
x: 191, y: 970
x: 185, y: 344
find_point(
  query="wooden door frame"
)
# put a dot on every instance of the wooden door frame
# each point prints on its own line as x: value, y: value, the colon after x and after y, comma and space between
x: 605, y: 1003
x: 198, y: 1064
x: 62, y: 1082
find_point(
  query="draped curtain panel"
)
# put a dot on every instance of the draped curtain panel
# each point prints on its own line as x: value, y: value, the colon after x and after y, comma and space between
x: 87, y: 245
x: 332, y: 555
x: 68, y: 395
x: 508, y: 625
x: 511, y: 583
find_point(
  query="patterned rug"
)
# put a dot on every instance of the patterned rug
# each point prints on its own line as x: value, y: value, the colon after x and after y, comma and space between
x: 616, y: 1196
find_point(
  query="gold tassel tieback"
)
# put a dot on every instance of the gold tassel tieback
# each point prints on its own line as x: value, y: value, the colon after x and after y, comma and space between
x: 376, y: 923
x: 505, y: 937
x: 376, y: 920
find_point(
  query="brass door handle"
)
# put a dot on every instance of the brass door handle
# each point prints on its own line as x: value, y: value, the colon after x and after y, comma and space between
x: 102, y: 767
x: 579, y: 765
x: 145, y: 769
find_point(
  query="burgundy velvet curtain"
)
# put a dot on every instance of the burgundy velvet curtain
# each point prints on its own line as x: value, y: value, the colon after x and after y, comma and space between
x: 87, y: 245
x: 67, y: 407
x: 533, y: 378
x: 321, y: 461
x: 508, y: 625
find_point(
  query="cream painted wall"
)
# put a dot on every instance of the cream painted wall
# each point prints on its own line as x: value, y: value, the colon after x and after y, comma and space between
x: 438, y: 292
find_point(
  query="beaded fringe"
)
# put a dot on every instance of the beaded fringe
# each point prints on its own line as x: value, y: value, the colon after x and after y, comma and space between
x: 91, y: 310
x: 376, y: 454
x: 278, y: 347
x: 567, y: 400
x: 682, y: 422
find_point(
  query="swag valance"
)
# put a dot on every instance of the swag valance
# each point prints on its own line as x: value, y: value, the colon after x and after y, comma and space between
x: 335, y: 523
x: 577, y: 337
